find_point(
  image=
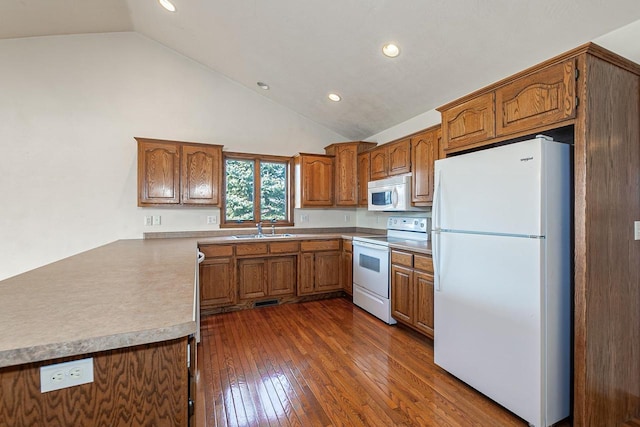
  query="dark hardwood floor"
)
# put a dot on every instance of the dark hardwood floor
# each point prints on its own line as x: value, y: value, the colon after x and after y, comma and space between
x: 328, y: 363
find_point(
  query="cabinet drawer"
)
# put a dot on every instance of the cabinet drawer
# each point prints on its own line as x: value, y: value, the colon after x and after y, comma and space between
x: 320, y: 245
x: 401, y: 258
x: 251, y: 249
x: 347, y: 246
x: 216, y: 250
x: 283, y: 247
x: 423, y: 263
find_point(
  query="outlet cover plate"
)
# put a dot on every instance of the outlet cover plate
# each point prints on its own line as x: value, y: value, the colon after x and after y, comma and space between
x: 67, y: 374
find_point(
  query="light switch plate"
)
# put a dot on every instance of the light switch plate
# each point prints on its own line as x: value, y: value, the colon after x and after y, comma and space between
x: 636, y: 230
x: 156, y: 220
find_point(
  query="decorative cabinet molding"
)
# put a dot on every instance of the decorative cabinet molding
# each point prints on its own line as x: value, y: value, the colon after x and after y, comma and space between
x: 178, y: 173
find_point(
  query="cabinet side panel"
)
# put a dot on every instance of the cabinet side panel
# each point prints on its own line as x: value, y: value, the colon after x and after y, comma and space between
x: 143, y: 385
x: 607, y: 170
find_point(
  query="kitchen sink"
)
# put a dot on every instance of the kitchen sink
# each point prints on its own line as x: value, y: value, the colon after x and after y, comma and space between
x: 263, y: 236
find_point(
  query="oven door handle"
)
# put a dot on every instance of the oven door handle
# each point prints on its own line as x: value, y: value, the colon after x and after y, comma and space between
x: 380, y: 248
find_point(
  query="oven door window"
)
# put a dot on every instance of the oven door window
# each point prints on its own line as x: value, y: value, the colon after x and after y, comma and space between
x: 381, y: 198
x: 370, y: 263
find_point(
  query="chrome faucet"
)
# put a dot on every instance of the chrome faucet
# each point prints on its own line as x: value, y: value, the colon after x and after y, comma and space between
x: 259, y: 225
x: 273, y: 227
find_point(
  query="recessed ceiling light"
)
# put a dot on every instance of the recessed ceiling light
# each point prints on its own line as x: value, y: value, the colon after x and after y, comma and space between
x: 334, y: 97
x: 167, y: 5
x: 391, y: 50
x: 263, y: 85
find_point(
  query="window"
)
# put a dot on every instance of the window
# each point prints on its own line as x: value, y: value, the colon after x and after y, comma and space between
x: 257, y: 189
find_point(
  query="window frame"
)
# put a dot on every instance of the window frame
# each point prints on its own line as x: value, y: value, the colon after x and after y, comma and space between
x: 257, y: 159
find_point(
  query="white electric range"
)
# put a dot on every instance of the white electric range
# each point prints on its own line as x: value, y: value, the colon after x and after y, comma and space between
x: 371, y: 263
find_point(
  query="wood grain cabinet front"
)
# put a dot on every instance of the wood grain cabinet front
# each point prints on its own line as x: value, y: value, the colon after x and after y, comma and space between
x: 539, y: 99
x: 471, y: 122
x: 178, y: 173
x: 347, y: 266
x: 393, y: 158
x: 425, y: 148
x: 346, y: 170
x: 314, y: 180
x: 412, y: 290
x: 363, y: 179
x: 320, y: 267
x: 217, y: 284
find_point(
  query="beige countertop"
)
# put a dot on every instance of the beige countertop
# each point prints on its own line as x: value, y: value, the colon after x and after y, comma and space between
x: 126, y: 293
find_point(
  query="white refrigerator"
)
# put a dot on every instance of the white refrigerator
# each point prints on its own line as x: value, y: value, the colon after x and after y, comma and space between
x: 502, y: 259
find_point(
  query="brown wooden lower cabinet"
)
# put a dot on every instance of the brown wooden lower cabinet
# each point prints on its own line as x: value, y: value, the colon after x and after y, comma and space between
x: 412, y: 290
x: 266, y: 277
x: 217, y: 284
x: 320, y: 267
x: 347, y: 266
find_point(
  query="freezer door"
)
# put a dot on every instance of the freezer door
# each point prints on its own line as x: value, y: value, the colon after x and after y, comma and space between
x: 487, y: 317
x: 499, y: 190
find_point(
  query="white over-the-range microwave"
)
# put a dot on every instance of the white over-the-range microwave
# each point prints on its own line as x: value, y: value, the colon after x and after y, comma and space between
x: 391, y: 194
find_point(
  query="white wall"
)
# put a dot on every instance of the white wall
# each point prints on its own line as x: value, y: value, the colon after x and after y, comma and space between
x: 69, y: 109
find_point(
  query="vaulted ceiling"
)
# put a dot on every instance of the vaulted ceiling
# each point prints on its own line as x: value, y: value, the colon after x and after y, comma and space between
x: 306, y: 49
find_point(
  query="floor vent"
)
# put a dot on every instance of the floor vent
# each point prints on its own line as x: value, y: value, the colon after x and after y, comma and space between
x: 266, y: 303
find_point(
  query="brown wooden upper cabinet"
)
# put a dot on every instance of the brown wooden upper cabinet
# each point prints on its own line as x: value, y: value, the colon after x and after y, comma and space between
x: 393, y: 158
x: 538, y: 100
x: 545, y: 97
x: 363, y: 179
x: 178, y: 173
x: 468, y: 123
x: 425, y: 148
x: 346, y: 170
x: 314, y: 180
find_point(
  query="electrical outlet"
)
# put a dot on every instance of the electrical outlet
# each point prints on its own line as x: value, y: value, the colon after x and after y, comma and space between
x: 148, y: 220
x: 636, y: 230
x: 212, y: 219
x: 67, y: 374
x: 156, y: 220
x: 347, y: 218
x: 304, y: 218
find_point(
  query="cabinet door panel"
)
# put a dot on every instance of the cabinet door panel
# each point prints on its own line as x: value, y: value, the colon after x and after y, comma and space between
x: 424, y: 152
x: 347, y: 272
x: 201, y: 174
x: 401, y: 294
x: 346, y: 175
x: 158, y: 173
x: 363, y: 179
x: 252, y: 278
x: 378, y: 163
x: 542, y: 98
x: 316, y: 181
x: 424, y: 302
x: 306, y: 274
x: 468, y: 123
x: 399, y: 157
x: 217, y: 284
x: 328, y: 267
x: 282, y: 275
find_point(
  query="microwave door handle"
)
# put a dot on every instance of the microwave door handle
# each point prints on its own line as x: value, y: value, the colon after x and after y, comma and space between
x: 394, y: 198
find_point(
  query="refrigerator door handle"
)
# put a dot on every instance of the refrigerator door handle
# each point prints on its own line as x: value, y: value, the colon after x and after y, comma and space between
x: 436, y: 203
x: 436, y: 260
